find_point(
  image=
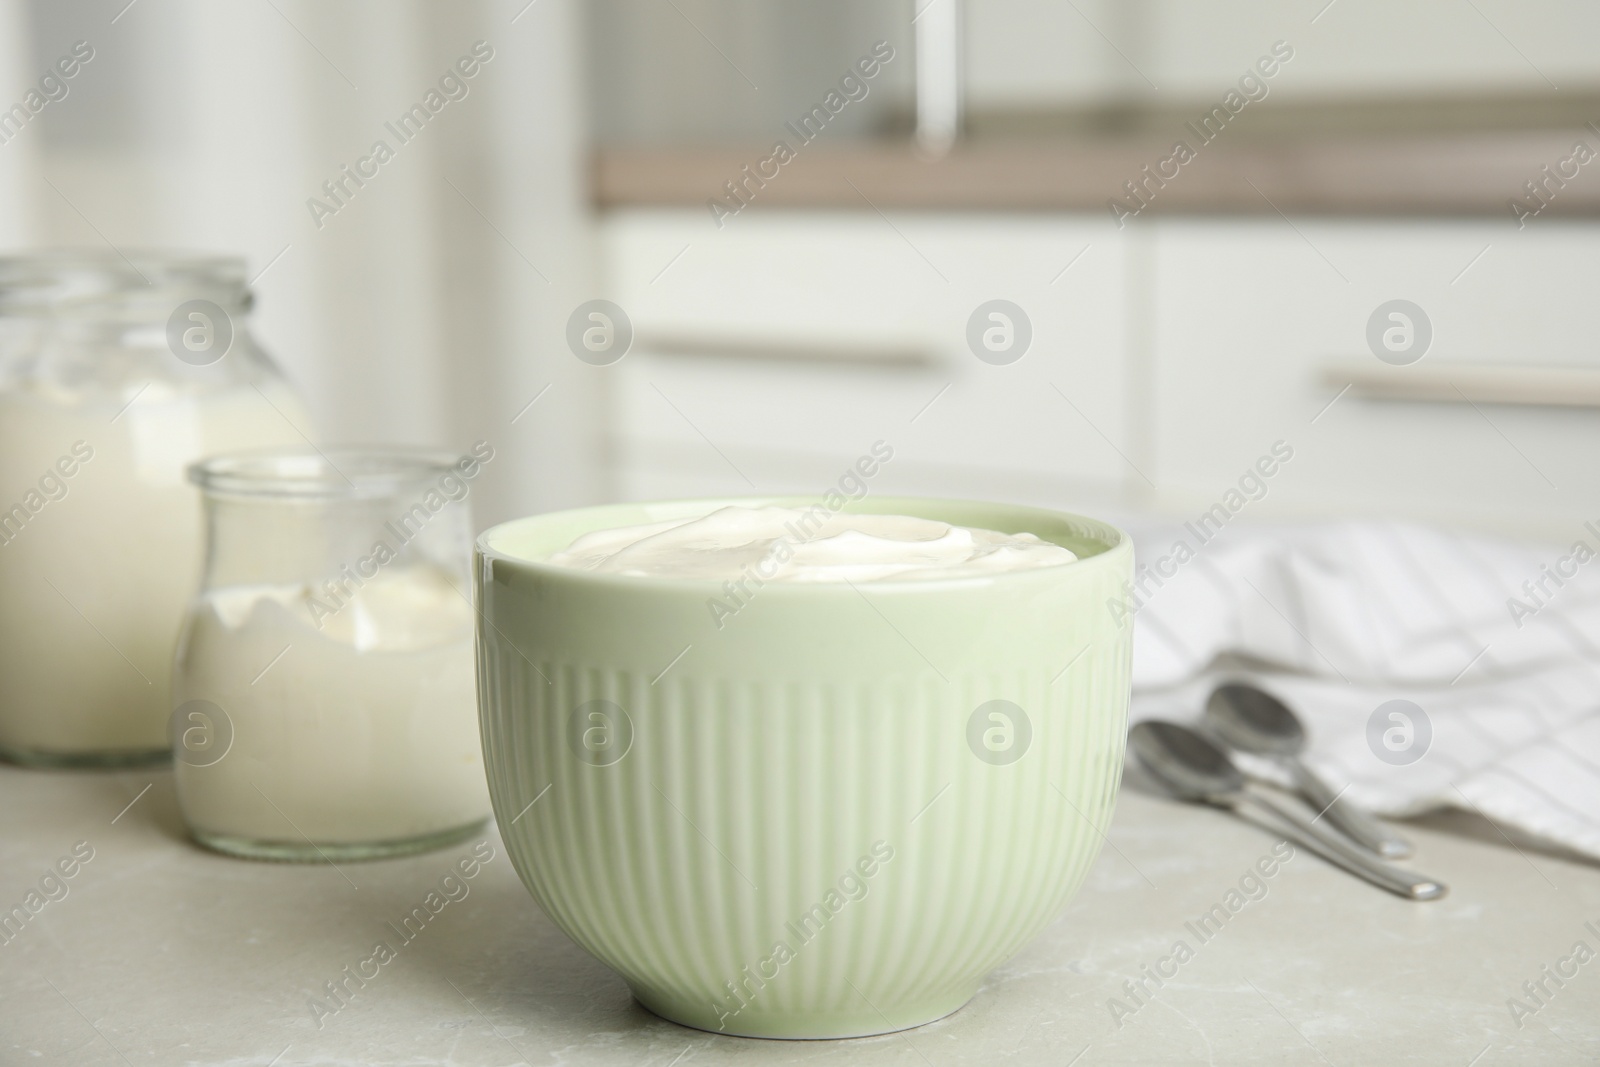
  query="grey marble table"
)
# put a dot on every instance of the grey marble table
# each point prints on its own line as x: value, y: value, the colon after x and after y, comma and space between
x: 158, y: 952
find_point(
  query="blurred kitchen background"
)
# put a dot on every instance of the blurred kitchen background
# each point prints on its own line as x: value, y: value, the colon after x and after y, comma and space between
x: 1171, y: 348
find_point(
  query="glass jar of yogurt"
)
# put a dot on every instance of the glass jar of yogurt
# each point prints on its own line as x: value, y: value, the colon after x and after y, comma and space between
x: 324, y: 687
x: 116, y: 373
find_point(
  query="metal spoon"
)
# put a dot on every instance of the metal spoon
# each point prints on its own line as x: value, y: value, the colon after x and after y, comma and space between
x: 1259, y: 723
x: 1192, y: 768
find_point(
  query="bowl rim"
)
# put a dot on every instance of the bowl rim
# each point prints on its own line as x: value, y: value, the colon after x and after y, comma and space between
x: 1118, y: 544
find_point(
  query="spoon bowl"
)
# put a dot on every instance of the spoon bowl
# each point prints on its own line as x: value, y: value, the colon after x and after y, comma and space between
x: 1184, y: 762
x: 1254, y: 721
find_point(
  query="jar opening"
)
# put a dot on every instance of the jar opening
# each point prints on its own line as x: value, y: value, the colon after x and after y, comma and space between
x: 89, y: 280
x: 344, y: 473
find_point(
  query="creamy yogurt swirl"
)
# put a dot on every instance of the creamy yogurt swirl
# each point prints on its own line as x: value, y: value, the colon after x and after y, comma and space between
x: 799, y: 545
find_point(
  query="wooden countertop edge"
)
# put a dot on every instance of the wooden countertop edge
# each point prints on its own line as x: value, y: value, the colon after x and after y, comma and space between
x: 1476, y: 175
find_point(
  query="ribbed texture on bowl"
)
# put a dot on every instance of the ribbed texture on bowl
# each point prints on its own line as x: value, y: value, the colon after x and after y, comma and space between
x: 740, y: 805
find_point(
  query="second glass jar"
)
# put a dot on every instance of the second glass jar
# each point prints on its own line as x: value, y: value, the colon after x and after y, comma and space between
x: 324, y: 692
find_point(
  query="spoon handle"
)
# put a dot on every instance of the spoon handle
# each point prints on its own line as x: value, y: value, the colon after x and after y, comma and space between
x: 1362, y: 828
x: 1336, y: 850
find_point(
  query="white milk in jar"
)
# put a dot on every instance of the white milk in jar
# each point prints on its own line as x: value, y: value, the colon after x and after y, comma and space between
x: 364, y: 729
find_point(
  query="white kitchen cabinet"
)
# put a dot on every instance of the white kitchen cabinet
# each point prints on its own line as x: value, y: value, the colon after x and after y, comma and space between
x: 773, y: 351
x: 1248, y: 312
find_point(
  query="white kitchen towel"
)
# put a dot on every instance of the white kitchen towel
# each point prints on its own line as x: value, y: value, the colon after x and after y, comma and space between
x: 1491, y: 648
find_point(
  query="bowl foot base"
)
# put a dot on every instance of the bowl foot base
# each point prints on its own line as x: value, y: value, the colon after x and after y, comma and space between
x: 755, y: 1020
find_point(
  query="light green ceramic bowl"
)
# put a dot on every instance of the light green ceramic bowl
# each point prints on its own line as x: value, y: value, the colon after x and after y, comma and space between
x: 812, y: 820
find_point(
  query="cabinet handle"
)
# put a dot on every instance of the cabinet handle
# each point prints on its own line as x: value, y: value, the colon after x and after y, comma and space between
x: 1466, y: 383
x: 756, y: 349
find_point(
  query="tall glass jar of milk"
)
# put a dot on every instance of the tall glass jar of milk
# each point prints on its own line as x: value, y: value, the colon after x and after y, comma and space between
x: 325, y: 685
x: 116, y: 372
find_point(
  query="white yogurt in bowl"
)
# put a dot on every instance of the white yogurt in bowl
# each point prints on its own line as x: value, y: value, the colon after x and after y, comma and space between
x: 782, y: 544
